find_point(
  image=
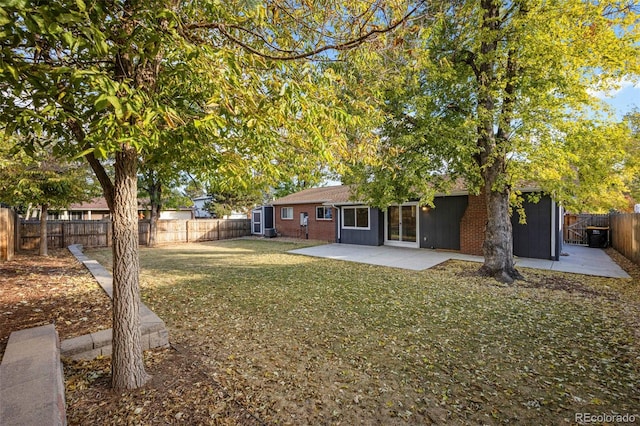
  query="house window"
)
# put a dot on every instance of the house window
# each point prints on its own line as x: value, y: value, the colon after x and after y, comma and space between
x: 324, y: 213
x: 75, y: 215
x: 286, y: 213
x: 355, y: 217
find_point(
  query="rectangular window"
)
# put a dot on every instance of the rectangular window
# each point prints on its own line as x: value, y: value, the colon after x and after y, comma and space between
x: 355, y: 217
x: 324, y: 213
x: 286, y: 213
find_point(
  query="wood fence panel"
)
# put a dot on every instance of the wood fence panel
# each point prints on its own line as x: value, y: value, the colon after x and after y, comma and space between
x: 29, y: 235
x: 625, y: 235
x: 203, y: 229
x: 172, y: 231
x: 144, y: 229
x: 575, y: 226
x: 218, y: 229
x: 88, y: 233
x: 61, y: 234
x: 234, y: 228
x: 93, y: 233
x: 7, y: 234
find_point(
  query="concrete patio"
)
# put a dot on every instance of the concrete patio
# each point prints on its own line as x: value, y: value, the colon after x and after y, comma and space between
x: 578, y: 259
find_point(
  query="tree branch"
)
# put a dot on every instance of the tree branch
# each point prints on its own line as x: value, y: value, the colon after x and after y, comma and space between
x: 96, y: 165
x: 350, y: 44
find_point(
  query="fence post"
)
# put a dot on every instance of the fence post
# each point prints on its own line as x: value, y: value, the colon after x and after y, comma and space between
x: 109, y: 233
x: 17, y: 220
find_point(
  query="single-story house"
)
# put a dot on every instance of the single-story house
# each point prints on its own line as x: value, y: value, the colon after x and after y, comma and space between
x: 457, y: 222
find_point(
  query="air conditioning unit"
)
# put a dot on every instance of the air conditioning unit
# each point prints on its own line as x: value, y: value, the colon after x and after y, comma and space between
x: 269, y: 232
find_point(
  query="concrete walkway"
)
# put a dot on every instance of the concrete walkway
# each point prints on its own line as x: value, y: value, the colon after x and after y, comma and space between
x: 579, y: 260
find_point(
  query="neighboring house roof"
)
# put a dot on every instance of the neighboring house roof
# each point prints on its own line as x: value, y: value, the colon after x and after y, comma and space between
x: 95, y: 204
x: 325, y: 194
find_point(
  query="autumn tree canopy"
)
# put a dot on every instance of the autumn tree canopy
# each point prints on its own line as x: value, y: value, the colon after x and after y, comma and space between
x: 216, y: 86
x: 498, y: 93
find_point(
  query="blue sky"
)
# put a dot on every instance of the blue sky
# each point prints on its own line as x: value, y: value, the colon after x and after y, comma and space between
x: 624, y: 99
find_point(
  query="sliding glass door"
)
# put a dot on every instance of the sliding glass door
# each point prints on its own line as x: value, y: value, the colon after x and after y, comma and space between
x: 401, y: 224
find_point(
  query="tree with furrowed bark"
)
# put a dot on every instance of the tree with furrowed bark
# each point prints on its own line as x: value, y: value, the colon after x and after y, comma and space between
x: 122, y: 81
x: 498, y: 93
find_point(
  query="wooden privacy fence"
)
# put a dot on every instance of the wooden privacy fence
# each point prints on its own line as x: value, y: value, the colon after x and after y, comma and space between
x: 182, y: 231
x: 575, y: 226
x: 625, y: 235
x: 98, y: 233
x: 7, y: 234
x: 62, y: 233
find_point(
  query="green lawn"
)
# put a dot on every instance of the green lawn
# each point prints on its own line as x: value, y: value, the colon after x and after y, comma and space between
x: 309, y: 341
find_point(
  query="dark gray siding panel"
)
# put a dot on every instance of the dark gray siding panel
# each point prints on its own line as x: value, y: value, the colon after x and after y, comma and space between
x: 533, y: 239
x: 440, y: 226
x: 268, y: 217
x: 370, y: 237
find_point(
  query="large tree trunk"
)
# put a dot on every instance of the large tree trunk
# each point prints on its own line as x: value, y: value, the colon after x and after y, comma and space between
x: 492, y: 150
x: 127, y: 364
x: 44, y: 212
x: 498, y: 241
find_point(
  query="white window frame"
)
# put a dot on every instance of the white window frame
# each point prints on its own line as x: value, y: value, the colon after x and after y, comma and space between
x: 360, y: 228
x: 283, y: 209
x: 324, y: 209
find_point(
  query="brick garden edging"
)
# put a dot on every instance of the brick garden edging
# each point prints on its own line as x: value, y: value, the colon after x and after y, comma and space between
x: 89, y: 346
x: 31, y: 379
x: 31, y: 375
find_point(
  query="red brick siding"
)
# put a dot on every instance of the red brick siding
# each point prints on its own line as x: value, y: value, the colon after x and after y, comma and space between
x: 324, y: 230
x: 472, y: 225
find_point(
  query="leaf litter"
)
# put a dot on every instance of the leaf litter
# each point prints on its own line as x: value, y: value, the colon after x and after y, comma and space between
x: 55, y: 289
x: 260, y: 336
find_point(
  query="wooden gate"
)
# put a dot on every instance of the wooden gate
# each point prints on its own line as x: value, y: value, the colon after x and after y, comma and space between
x: 575, y: 226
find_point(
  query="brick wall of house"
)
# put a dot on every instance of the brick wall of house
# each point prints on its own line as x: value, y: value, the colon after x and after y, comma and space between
x: 473, y: 224
x: 319, y: 229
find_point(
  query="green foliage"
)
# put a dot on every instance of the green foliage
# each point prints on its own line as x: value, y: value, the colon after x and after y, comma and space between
x: 223, y: 204
x: 41, y: 179
x: 500, y: 94
x: 166, y: 82
x: 587, y: 166
x: 173, y: 198
x: 183, y: 86
x: 633, y: 163
x: 297, y: 184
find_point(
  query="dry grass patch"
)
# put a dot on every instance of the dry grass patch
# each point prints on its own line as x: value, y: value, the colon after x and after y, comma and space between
x: 298, y: 340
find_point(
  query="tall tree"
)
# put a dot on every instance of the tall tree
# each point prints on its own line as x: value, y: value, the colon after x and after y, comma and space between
x: 632, y: 119
x: 39, y: 178
x: 492, y: 91
x: 96, y: 75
